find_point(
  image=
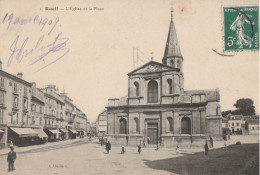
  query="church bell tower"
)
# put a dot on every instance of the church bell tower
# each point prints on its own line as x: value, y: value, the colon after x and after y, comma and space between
x: 172, y: 54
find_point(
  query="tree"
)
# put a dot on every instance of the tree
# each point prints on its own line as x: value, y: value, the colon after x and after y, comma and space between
x: 245, y: 106
x: 235, y: 112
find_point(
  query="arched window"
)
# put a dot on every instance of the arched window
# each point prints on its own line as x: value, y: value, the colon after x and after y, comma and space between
x: 171, y: 63
x: 169, y: 82
x: 61, y: 115
x: 122, y: 126
x: 136, y: 88
x: 185, y: 125
x: 152, y: 92
x: 136, y: 125
x: 169, y: 127
x: 179, y: 64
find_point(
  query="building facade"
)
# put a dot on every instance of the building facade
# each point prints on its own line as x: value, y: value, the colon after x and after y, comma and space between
x: 158, y: 109
x: 29, y: 115
x: 102, y: 122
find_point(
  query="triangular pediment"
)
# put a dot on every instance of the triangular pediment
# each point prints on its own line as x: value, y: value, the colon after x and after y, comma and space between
x: 152, y: 67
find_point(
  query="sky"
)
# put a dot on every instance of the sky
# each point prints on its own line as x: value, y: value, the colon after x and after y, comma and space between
x: 94, y: 48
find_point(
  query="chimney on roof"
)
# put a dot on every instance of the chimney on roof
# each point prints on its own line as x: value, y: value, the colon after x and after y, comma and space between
x: 20, y: 75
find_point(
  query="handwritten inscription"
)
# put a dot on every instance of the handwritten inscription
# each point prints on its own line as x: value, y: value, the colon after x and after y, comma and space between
x: 34, y: 50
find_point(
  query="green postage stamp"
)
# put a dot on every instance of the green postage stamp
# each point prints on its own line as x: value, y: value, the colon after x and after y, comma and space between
x: 241, y: 28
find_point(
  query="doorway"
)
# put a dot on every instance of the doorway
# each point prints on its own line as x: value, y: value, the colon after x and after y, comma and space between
x: 153, y: 132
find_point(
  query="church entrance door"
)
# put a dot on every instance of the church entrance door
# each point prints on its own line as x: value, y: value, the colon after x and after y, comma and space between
x: 153, y: 132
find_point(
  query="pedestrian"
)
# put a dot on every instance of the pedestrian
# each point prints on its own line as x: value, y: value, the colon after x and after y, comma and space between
x: 206, y: 148
x: 148, y: 141
x: 108, y: 146
x: 139, y: 149
x: 177, y: 150
x: 225, y: 143
x: 143, y: 142
x: 101, y: 141
x: 123, y: 150
x: 211, y: 142
x: 157, y: 147
x: 11, y: 144
x: 228, y: 136
x: 10, y: 159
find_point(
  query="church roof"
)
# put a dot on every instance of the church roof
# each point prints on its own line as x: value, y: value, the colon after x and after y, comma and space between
x: 211, y: 94
x: 153, y: 67
x: 172, y: 48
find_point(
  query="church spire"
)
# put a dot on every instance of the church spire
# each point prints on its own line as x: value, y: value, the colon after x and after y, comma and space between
x: 172, y: 48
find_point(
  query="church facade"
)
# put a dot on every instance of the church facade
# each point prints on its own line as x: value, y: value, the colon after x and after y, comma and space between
x: 158, y: 109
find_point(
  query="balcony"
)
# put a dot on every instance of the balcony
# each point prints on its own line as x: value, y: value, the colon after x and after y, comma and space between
x: 49, y: 126
x: 15, y: 108
x: 59, y: 119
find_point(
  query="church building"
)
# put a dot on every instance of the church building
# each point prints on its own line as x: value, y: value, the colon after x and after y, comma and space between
x: 158, y: 110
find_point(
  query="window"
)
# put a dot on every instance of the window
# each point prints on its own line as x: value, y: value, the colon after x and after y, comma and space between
x: 2, y: 98
x: 40, y: 109
x: 136, y: 125
x: 152, y: 92
x: 136, y: 88
x: 169, y: 83
x: 169, y: 127
x: 237, y: 124
x: 25, y: 91
x: 2, y: 83
x: 33, y: 121
x: 233, y: 124
x: 40, y: 121
x: 2, y: 116
x: 25, y: 103
x: 16, y: 102
x: 171, y: 63
x: 61, y: 115
x: 15, y: 87
x: 179, y: 64
x: 122, y: 126
x: 185, y: 125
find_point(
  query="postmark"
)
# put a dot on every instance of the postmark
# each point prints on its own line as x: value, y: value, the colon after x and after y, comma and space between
x: 241, y: 30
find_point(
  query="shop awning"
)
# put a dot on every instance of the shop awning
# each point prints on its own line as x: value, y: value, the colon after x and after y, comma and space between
x: 73, y: 131
x: 64, y: 130
x: 41, y: 133
x: 25, y: 132
x: 54, y: 131
x: 1, y: 131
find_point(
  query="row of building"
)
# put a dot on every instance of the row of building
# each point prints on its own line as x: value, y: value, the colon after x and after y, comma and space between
x: 30, y: 115
x: 239, y: 124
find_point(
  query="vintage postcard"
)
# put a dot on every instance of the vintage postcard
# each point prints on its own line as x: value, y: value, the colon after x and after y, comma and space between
x: 129, y: 87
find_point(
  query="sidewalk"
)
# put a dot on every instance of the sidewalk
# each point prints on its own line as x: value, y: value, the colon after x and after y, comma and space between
x: 48, y: 144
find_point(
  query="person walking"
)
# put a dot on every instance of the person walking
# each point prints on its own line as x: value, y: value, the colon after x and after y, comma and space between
x: 10, y: 159
x: 11, y: 143
x: 123, y: 150
x: 143, y: 142
x: 101, y: 141
x: 177, y: 150
x: 211, y: 142
x: 108, y: 146
x: 139, y: 149
x: 148, y: 141
x: 206, y: 148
